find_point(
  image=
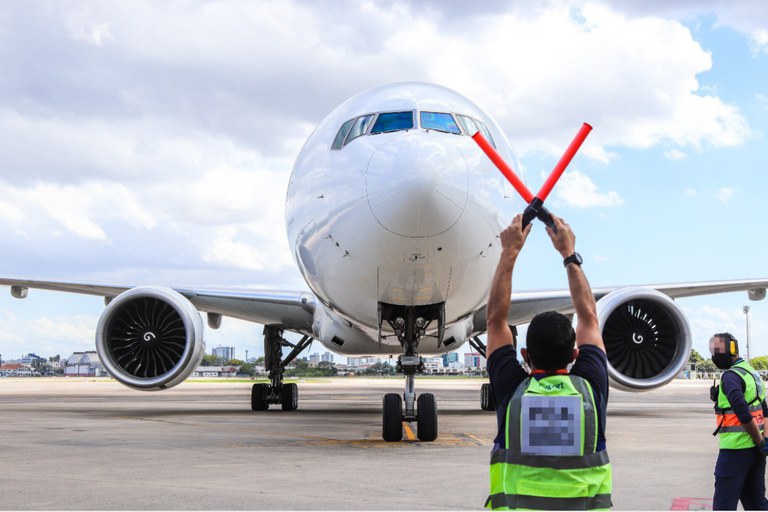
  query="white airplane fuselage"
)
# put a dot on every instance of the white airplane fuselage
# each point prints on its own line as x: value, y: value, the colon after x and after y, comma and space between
x: 408, y: 216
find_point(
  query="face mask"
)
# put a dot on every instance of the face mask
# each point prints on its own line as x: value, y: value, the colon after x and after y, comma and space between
x: 722, y: 361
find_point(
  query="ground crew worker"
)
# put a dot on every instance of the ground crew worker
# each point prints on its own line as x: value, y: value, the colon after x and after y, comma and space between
x: 550, y: 449
x: 740, y: 408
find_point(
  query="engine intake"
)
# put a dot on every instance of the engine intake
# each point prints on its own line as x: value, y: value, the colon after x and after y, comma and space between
x: 647, y: 338
x: 150, y: 338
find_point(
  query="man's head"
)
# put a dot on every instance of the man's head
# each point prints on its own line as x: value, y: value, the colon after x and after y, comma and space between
x: 550, y: 342
x: 724, y: 349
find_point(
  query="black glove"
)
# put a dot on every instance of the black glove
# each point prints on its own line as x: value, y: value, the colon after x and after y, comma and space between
x: 763, y: 447
x: 713, y: 392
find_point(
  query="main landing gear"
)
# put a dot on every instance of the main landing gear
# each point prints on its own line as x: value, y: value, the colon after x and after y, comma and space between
x: 487, y: 402
x: 409, y: 328
x: 487, y: 399
x: 287, y: 395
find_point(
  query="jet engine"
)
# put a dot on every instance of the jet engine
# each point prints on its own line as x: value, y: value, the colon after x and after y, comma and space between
x: 150, y: 338
x: 647, y: 338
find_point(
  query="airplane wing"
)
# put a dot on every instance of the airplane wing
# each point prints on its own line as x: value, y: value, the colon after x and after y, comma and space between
x: 293, y: 310
x: 527, y: 304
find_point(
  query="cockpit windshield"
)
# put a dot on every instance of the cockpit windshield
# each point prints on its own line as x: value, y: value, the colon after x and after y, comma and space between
x: 359, y: 127
x: 440, y: 121
x: 387, y: 122
x: 343, y: 131
x: 468, y: 124
x: 392, y: 122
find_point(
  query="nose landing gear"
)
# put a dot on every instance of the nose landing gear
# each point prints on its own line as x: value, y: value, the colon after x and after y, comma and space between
x: 409, y: 328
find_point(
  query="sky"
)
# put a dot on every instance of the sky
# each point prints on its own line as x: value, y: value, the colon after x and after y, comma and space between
x: 151, y: 142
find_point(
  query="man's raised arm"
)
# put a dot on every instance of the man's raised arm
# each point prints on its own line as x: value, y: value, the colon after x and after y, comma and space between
x: 588, y: 328
x: 512, y: 240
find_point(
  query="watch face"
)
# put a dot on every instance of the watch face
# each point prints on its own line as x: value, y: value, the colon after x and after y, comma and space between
x: 573, y: 258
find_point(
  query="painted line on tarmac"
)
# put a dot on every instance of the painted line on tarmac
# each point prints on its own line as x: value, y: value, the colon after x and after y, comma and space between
x: 408, y: 432
x: 691, y: 504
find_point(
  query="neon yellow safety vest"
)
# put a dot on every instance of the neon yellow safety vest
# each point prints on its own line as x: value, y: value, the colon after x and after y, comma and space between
x: 733, y: 436
x: 550, y: 460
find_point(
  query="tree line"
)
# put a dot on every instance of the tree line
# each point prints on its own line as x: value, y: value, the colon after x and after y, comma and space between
x: 707, y: 366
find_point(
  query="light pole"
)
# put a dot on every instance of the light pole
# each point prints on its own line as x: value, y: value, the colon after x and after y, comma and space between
x: 746, y: 314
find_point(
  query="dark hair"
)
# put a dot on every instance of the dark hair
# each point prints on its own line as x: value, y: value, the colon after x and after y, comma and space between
x: 550, y: 341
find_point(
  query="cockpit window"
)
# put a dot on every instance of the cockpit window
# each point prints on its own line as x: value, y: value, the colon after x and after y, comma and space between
x: 359, y: 128
x: 392, y: 122
x: 467, y: 124
x: 338, y: 142
x: 439, y: 121
x: 486, y: 133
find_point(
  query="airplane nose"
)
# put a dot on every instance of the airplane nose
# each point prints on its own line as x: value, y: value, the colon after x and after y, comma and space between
x: 417, y: 185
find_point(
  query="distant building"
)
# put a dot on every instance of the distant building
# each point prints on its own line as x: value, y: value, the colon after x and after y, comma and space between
x: 433, y: 364
x: 363, y: 361
x: 224, y: 353
x: 15, y: 370
x: 84, y: 364
x: 327, y: 357
x: 474, y: 361
x: 451, y: 357
x: 314, y: 359
x: 30, y: 359
x: 215, y: 371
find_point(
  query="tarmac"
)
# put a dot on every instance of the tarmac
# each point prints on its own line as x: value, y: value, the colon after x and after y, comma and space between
x: 92, y: 444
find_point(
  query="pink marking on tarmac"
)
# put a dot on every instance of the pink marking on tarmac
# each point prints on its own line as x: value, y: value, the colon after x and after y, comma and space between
x: 691, y: 504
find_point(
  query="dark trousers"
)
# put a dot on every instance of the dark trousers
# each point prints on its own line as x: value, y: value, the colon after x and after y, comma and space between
x: 740, y: 475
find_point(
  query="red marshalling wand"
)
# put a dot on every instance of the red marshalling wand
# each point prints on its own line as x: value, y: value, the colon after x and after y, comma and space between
x: 535, y: 206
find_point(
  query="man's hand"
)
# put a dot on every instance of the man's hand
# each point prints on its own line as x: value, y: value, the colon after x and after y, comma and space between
x: 763, y: 446
x: 563, y: 240
x: 513, y: 237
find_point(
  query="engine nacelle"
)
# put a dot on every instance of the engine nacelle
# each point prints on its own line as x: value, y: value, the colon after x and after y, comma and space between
x: 647, y: 338
x: 150, y: 338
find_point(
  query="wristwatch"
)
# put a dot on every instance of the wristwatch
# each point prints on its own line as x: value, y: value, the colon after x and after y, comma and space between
x: 573, y: 258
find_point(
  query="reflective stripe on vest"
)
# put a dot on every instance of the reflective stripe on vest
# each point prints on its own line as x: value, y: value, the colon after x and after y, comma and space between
x: 511, y: 502
x: 550, y: 461
x: 732, y: 434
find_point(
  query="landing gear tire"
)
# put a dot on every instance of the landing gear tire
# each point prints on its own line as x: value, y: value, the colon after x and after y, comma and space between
x: 426, y: 417
x: 392, y: 425
x: 290, y: 397
x: 260, y: 397
x: 487, y: 400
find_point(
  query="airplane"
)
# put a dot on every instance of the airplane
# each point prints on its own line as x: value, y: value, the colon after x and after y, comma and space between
x: 393, y: 215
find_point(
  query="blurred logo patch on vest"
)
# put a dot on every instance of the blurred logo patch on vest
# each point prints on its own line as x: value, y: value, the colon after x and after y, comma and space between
x: 551, y: 425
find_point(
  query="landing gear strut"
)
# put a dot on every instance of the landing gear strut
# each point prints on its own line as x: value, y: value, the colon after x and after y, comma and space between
x: 409, y: 325
x: 287, y: 395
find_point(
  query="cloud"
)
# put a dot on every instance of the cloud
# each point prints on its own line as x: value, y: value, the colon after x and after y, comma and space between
x: 634, y: 79
x: 43, y: 210
x: 236, y: 70
x: 49, y: 335
x: 690, y: 192
x: 579, y: 191
x: 707, y: 320
x: 759, y: 41
x: 675, y: 154
x: 725, y: 194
